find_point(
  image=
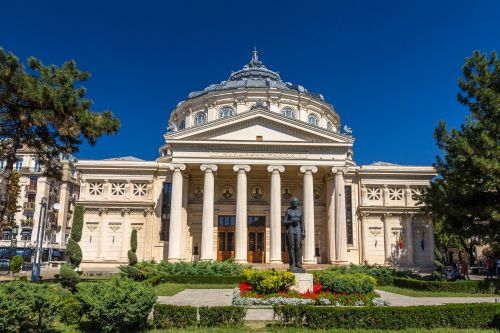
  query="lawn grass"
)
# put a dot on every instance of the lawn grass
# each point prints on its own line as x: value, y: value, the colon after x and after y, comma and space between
x: 420, y: 293
x: 170, y: 289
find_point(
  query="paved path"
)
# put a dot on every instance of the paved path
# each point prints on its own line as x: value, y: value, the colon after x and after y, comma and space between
x: 216, y: 297
x: 401, y: 300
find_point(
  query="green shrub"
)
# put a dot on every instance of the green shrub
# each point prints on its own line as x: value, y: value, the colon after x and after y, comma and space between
x: 469, y: 286
x: 74, y: 252
x: 132, y: 258
x: 174, y: 316
x: 116, y: 305
x: 68, y: 277
x: 77, y: 226
x: 149, y: 270
x: 71, y: 311
x: 349, y: 283
x: 133, y: 240
x: 26, y: 306
x: 385, y: 280
x: 15, y: 264
x: 268, y: 281
x: 229, y: 316
x: 390, y: 318
x: 372, y: 270
x: 129, y: 271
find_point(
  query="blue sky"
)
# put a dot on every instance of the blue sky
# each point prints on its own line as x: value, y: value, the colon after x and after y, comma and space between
x: 390, y: 68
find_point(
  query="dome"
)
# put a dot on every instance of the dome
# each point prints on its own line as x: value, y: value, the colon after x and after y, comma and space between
x: 254, y: 75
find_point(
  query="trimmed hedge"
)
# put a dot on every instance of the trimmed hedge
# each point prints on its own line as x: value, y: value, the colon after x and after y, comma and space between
x: 229, y: 316
x: 469, y: 286
x: 174, y: 316
x: 390, y: 318
x: 195, y: 279
x: 348, y: 283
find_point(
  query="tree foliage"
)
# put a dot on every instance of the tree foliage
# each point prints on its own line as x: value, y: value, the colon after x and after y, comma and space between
x: 74, y: 252
x: 465, y: 196
x: 14, y: 191
x: 133, y: 240
x: 15, y: 264
x: 77, y: 226
x: 45, y: 108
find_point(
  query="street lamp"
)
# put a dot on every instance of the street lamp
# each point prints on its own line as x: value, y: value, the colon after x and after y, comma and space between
x: 35, y: 272
x: 14, y: 231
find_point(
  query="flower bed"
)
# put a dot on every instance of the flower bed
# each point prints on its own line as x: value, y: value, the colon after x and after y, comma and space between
x: 246, y: 294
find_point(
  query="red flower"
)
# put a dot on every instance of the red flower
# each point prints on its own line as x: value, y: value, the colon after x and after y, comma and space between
x: 245, y: 286
x: 317, y: 288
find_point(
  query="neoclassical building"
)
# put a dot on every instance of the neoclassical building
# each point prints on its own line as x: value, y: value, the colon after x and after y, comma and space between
x: 235, y: 154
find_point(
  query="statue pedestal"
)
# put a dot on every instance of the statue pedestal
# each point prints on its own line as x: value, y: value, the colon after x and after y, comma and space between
x: 303, y: 282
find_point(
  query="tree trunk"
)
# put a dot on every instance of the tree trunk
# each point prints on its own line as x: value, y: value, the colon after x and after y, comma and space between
x: 469, y: 248
x: 6, y: 176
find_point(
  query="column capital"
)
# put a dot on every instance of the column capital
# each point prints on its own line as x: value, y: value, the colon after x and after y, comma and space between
x: 386, y: 216
x: 279, y: 168
x: 342, y: 170
x: 243, y: 167
x: 180, y: 167
x: 208, y: 167
x: 306, y: 168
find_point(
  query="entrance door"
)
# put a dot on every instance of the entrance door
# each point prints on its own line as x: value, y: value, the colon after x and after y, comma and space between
x: 225, y: 237
x: 256, y: 239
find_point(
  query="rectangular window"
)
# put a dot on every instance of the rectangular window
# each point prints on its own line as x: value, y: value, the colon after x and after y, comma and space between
x: 19, y: 165
x: 227, y: 220
x: 348, y: 214
x: 38, y: 167
x: 256, y: 221
x: 1, y: 165
x: 165, y: 210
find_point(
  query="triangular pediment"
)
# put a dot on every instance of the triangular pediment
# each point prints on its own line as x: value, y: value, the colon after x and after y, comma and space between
x: 258, y: 125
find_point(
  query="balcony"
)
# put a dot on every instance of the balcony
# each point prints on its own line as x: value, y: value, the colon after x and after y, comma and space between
x: 29, y: 205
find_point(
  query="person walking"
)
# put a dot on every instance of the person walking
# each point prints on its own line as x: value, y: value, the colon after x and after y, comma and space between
x: 489, y: 268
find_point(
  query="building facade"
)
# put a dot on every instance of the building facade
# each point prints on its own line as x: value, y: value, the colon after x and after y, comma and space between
x: 34, y: 186
x: 234, y: 155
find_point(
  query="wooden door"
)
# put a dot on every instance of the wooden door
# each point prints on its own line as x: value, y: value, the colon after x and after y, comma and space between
x: 256, y: 245
x: 225, y: 237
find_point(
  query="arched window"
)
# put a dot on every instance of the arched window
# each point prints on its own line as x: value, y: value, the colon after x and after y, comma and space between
x: 312, y: 119
x: 182, y: 124
x: 288, y: 112
x: 201, y: 118
x: 329, y: 125
x: 225, y: 112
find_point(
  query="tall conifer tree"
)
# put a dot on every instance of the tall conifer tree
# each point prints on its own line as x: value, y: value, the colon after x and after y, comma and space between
x: 465, y: 197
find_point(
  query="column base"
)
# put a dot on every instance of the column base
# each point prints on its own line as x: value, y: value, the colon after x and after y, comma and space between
x: 309, y: 261
x: 173, y: 260
x: 275, y: 261
x: 342, y: 263
x: 241, y: 261
x: 206, y: 259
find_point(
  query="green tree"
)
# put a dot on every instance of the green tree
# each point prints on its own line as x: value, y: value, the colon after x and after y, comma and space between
x: 132, y: 257
x: 14, y: 191
x: 465, y: 196
x: 45, y: 108
x: 67, y: 276
x: 15, y: 264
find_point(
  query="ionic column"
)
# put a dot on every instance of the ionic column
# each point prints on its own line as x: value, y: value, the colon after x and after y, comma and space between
x: 409, y: 240
x: 275, y: 256
x: 207, y: 222
x: 340, y: 220
x: 331, y: 220
x: 309, y: 213
x: 363, y: 244
x: 387, y: 239
x: 240, y: 236
x: 175, y: 230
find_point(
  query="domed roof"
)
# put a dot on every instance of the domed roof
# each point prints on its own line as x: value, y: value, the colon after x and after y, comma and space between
x: 254, y: 75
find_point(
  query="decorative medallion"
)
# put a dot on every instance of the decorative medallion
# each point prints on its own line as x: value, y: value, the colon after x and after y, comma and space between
x: 317, y: 193
x: 286, y: 193
x: 227, y: 191
x: 198, y: 191
x: 256, y: 192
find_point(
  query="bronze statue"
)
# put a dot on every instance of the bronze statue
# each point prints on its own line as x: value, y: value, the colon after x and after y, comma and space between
x: 295, y: 233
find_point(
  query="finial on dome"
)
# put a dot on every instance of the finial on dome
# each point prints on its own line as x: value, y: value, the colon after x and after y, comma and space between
x: 255, y: 54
